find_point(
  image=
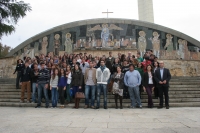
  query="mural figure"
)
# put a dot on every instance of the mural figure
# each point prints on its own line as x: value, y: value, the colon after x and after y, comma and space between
x: 169, y: 43
x: 185, y: 50
x: 156, y: 44
x: 90, y: 42
x: 142, y: 43
x: 44, y: 45
x: 56, y: 44
x: 68, y: 44
x: 181, y: 49
x: 105, y: 32
x: 105, y: 35
x: 94, y: 44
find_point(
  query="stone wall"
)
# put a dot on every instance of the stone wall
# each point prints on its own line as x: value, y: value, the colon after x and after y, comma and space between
x: 7, y: 67
x: 176, y: 67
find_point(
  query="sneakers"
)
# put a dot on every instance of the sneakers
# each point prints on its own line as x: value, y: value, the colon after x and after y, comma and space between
x: 86, y: 106
x: 105, y: 107
x: 92, y: 107
x: 21, y: 101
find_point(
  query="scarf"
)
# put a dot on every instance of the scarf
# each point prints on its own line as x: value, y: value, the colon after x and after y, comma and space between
x: 102, y: 68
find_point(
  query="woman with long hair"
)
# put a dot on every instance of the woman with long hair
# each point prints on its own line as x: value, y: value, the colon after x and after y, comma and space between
x: 76, y: 83
x: 68, y: 86
x: 54, y: 87
x: 148, y: 84
x: 115, y: 65
x: 118, y: 79
x: 18, y: 69
x: 62, y: 82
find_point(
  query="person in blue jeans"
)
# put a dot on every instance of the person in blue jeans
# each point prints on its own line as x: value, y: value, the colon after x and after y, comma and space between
x: 102, y: 76
x: 90, y: 85
x: 54, y: 88
x: 42, y: 85
x: 132, y: 79
x: 34, y: 77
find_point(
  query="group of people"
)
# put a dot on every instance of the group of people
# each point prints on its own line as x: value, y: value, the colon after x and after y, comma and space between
x: 125, y: 76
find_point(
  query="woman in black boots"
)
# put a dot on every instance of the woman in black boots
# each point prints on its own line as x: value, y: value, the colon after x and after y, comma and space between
x: 118, y: 86
x: 76, y: 83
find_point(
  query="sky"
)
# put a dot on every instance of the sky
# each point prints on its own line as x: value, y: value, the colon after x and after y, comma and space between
x: 180, y: 15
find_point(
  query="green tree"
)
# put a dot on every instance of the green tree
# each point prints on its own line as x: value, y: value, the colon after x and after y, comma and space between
x: 10, y: 12
x: 4, y: 50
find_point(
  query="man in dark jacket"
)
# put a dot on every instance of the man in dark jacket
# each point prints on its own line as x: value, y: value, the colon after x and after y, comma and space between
x: 162, y: 77
x: 26, y: 82
x: 42, y: 84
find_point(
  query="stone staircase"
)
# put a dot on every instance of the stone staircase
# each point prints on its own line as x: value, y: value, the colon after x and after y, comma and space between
x: 183, y: 92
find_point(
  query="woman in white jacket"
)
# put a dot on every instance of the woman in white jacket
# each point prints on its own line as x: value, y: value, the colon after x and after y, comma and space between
x: 69, y: 78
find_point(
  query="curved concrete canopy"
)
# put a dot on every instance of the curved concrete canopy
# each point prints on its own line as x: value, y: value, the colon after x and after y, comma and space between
x: 105, y: 20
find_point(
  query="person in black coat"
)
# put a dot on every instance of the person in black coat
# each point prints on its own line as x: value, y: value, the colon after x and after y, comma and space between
x: 148, y: 84
x: 18, y: 69
x: 162, y: 77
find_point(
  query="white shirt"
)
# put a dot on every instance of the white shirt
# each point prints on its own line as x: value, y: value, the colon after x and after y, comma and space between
x: 150, y: 78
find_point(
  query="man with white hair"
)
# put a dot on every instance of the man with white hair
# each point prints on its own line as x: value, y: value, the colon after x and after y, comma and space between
x: 162, y: 77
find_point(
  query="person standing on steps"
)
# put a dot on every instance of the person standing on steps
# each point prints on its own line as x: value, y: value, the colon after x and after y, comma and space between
x: 162, y: 77
x: 118, y: 79
x: 26, y: 82
x: 18, y: 69
x: 102, y: 76
x: 34, y: 76
x: 68, y: 86
x: 54, y: 87
x: 90, y: 85
x: 62, y: 82
x: 42, y: 85
x: 148, y: 84
x: 132, y: 79
x: 76, y: 83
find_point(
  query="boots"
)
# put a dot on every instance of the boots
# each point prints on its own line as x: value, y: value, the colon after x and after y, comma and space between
x: 120, y: 99
x: 78, y: 101
x: 75, y: 103
x: 116, y: 96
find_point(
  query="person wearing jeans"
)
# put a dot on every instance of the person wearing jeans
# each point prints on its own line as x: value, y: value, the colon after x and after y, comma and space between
x: 90, y: 85
x: 54, y: 88
x: 42, y: 85
x: 34, y: 76
x: 102, y: 76
x: 132, y: 79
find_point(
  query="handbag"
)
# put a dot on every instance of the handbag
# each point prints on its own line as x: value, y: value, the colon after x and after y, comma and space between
x: 110, y: 86
x: 80, y: 95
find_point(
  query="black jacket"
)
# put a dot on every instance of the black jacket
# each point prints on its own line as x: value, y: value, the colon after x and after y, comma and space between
x: 26, y: 74
x: 166, y: 76
x: 77, y: 79
x: 34, y: 76
x: 19, y: 67
x: 145, y: 80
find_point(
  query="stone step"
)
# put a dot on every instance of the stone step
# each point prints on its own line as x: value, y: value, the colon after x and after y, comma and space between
x: 111, y: 96
x: 124, y: 100
x: 18, y: 92
x: 109, y: 105
x: 185, y: 83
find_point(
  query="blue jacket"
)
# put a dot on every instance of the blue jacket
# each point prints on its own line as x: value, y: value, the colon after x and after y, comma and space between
x: 62, y: 82
x: 132, y: 79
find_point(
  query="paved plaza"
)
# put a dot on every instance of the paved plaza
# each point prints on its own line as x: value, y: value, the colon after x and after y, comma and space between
x: 31, y: 120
